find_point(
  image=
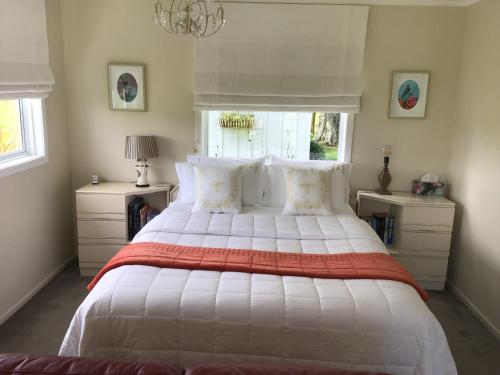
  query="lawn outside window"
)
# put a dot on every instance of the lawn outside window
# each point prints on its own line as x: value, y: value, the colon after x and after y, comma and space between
x: 22, y: 135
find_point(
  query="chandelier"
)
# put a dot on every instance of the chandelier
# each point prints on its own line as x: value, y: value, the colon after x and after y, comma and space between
x: 199, y: 18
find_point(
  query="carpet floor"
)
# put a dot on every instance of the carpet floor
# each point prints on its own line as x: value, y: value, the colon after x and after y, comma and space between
x: 39, y: 326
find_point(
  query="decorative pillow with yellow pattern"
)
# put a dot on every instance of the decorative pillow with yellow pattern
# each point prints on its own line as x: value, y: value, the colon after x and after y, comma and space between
x: 307, y: 191
x: 218, y: 189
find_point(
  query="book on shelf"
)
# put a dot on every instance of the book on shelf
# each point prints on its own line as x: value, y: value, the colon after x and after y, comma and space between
x: 139, y: 213
x: 390, y: 235
x: 144, y: 215
x: 152, y: 214
x: 132, y: 209
x: 383, y: 224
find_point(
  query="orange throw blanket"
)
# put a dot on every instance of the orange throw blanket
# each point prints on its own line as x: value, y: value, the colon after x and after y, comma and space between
x: 325, y: 266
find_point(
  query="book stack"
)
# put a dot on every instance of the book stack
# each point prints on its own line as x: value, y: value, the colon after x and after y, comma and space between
x: 383, y: 224
x: 139, y: 214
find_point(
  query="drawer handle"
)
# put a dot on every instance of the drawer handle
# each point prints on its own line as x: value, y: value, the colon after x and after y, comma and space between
x: 429, y: 231
x: 101, y: 219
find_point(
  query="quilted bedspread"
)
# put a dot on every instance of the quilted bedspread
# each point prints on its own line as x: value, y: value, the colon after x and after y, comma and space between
x: 191, y: 317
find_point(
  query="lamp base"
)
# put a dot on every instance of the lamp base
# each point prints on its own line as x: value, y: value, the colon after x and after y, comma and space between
x: 142, y: 174
x: 384, y: 179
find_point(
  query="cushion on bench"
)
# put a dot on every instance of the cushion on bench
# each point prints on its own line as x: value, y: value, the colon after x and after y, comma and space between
x: 270, y: 370
x: 17, y: 364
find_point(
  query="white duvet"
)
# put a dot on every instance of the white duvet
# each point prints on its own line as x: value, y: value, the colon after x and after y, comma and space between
x: 192, y: 317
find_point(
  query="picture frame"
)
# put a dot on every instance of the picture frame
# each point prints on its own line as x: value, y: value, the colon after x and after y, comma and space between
x: 409, y: 94
x: 127, y: 87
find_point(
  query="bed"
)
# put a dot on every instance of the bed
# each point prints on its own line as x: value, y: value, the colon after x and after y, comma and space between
x: 191, y: 317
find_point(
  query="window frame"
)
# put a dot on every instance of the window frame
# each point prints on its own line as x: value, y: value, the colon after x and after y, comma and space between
x: 34, y: 150
x: 346, y: 131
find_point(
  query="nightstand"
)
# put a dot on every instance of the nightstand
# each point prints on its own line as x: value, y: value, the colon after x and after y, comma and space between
x: 422, y: 232
x: 101, y: 213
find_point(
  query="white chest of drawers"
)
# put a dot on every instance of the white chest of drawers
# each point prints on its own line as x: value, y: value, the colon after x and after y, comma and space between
x: 101, y: 213
x: 422, y: 233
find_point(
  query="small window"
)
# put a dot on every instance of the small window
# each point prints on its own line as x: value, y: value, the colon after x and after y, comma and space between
x: 11, y: 136
x: 22, y: 143
x: 290, y: 135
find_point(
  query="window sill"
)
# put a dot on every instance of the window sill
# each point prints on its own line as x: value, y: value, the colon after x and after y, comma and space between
x: 21, y: 164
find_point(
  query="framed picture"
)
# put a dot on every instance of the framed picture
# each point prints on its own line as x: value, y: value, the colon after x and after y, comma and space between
x: 409, y: 94
x: 127, y: 88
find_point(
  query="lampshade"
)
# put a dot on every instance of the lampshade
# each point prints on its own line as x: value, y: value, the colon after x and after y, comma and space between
x: 140, y: 147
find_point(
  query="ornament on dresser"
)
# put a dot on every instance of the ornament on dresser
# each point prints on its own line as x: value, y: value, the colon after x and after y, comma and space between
x: 384, y: 178
x: 429, y: 184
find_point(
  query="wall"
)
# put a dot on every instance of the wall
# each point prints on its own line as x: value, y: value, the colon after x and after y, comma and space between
x: 36, y: 224
x: 407, y: 38
x: 474, y: 269
x: 97, y: 32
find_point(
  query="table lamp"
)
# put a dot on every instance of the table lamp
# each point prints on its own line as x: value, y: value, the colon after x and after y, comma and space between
x: 141, y: 148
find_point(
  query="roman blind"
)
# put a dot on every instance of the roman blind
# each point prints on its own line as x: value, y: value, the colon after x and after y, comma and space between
x: 283, y: 57
x: 24, y: 51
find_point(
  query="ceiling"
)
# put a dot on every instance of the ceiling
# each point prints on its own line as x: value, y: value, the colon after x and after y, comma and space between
x: 367, y: 2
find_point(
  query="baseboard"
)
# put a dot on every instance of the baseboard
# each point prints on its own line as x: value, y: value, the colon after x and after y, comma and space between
x: 35, y: 290
x: 491, y: 327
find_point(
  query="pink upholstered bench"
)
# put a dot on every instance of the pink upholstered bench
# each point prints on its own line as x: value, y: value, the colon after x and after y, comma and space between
x: 22, y: 364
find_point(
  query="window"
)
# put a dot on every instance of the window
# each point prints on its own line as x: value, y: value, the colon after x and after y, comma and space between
x: 10, y: 128
x: 22, y: 141
x: 290, y: 135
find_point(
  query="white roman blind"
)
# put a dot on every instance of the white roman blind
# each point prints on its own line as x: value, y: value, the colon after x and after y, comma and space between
x: 24, y: 51
x: 283, y: 57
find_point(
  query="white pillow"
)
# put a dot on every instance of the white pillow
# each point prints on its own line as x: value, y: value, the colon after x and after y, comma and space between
x: 274, y: 185
x: 307, y: 191
x: 185, y: 174
x: 218, y: 189
x: 252, y: 188
x: 274, y: 180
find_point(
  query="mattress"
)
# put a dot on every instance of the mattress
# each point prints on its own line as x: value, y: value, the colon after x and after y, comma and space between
x: 196, y: 317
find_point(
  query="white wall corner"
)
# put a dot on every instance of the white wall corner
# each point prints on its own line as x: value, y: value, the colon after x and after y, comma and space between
x: 35, y: 290
x: 462, y: 297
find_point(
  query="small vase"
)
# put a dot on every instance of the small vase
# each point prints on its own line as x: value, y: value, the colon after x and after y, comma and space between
x: 384, y: 179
